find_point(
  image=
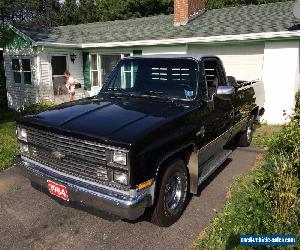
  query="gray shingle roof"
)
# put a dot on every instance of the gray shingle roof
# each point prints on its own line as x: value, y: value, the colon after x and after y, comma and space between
x: 228, y: 21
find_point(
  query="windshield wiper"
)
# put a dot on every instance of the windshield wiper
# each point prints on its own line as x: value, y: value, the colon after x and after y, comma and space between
x: 152, y: 93
x: 120, y: 90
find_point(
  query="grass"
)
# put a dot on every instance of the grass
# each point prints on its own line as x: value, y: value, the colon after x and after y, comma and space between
x: 263, y: 134
x: 8, y: 141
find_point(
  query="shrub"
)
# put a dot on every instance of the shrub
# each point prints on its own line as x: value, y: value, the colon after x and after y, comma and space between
x: 266, y: 201
x: 297, y: 107
x: 3, y: 97
x: 35, y: 108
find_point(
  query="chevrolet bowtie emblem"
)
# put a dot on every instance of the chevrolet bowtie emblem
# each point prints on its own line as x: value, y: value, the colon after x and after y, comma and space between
x: 58, y: 155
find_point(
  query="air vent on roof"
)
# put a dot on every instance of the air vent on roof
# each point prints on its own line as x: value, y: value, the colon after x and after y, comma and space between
x: 296, y: 9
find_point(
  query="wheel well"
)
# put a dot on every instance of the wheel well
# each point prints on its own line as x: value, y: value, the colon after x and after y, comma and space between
x: 183, y: 154
x: 255, y: 112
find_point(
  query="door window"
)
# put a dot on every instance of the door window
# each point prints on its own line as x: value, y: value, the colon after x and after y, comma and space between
x: 59, y: 66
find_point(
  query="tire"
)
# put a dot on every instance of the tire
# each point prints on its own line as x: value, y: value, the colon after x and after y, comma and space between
x: 245, y: 138
x: 171, y: 195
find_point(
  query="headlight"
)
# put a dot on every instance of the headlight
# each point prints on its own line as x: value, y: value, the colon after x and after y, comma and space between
x: 121, y: 178
x: 22, y: 134
x: 24, y: 148
x: 119, y: 158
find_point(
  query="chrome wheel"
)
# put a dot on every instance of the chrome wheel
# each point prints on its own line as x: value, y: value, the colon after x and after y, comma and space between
x: 175, y: 193
x: 249, y: 131
x: 172, y: 194
x: 249, y: 134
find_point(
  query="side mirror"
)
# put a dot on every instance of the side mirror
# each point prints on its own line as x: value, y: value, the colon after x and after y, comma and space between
x: 232, y: 81
x: 225, y: 92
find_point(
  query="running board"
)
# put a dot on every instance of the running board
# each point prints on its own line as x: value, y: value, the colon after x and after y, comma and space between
x: 213, y: 164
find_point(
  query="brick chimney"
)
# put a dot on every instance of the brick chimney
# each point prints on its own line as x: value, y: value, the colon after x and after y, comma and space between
x: 187, y: 10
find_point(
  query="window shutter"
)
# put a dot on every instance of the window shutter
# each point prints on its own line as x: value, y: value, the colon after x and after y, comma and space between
x: 86, y: 71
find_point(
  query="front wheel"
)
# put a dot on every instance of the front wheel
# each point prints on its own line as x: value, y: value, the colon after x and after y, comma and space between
x: 172, y: 194
x: 245, y: 139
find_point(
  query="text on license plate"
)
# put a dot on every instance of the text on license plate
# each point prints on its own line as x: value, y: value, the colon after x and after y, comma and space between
x: 58, y: 190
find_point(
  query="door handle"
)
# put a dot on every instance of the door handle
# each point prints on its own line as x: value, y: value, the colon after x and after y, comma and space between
x: 201, y: 132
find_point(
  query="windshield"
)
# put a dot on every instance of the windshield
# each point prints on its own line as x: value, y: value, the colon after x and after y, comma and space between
x: 167, y: 78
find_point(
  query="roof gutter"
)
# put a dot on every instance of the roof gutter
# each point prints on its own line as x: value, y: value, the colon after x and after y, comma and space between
x: 66, y: 45
x: 210, y: 39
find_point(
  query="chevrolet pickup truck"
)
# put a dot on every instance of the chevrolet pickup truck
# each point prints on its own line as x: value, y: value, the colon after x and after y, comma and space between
x: 157, y: 130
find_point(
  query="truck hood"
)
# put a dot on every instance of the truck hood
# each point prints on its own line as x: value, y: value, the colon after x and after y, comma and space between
x: 111, y: 119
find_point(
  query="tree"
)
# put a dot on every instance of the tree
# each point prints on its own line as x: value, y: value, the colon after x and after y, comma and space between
x: 87, y: 11
x: 20, y: 12
x: 115, y: 9
x: 69, y: 13
x: 216, y: 4
x: 108, y: 10
x: 48, y: 12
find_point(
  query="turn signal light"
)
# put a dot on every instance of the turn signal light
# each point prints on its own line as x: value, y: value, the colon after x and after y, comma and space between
x: 145, y: 184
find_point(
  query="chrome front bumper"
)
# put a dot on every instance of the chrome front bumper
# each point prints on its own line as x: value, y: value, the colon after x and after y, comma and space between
x: 129, y: 205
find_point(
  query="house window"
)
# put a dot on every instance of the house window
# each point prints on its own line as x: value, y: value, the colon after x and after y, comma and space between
x: 102, y: 65
x: 95, y: 70
x: 129, y: 75
x: 22, y: 70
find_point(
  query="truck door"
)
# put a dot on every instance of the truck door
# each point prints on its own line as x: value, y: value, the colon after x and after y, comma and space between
x: 219, y: 114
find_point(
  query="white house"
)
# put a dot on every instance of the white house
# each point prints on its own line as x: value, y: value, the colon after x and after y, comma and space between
x: 255, y: 42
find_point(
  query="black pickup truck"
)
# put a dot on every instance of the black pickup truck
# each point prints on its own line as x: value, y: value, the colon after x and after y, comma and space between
x: 157, y: 129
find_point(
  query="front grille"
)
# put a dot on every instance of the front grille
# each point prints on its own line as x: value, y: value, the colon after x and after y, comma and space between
x: 75, y: 157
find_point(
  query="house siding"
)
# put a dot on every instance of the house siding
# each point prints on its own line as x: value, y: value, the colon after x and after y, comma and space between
x: 41, y: 89
x: 243, y: 61
x: 154, y: 50
x: 46, y: 85
x: 20, y: 95
x: 281, y: 79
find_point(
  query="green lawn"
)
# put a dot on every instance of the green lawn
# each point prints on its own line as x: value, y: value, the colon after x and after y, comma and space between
x: 263, y: 134
x: 8, y: 141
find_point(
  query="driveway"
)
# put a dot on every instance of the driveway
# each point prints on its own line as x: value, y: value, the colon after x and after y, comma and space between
x: 31, y: 219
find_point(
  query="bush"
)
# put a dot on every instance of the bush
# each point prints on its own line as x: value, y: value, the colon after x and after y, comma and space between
x: 36, y: 108
x: 297, y: 107
x: 3, y: 96
x: 266, y: 201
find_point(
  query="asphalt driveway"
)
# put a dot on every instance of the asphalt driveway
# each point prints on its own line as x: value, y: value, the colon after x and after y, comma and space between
x: 31, y: 219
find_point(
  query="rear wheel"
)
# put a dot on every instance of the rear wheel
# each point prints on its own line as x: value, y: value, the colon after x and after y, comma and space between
x: 172, y: 194
x: 245, y: 139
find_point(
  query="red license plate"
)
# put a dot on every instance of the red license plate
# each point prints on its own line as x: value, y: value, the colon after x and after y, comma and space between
x: 58, y: 190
